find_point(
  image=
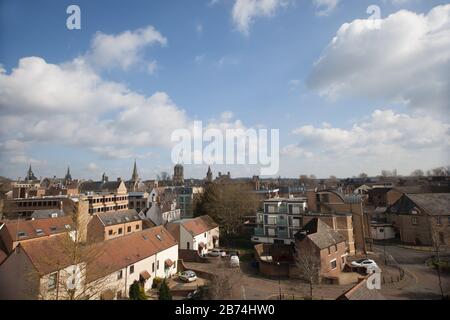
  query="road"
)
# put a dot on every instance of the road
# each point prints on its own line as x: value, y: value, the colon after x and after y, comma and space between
x: 424, y: 283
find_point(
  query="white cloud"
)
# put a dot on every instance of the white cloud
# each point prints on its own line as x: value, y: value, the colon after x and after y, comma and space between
x: 325, y: 7
x: 384, y: 133
x: 403, y: 58
x: 295, y: 151
x: 123, y: 50
x: 245, y: 11
x: 69, y: 104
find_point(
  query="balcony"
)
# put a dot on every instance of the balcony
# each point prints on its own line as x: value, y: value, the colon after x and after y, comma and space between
x: 282, y: 222
x: 283, y: 234
x: 259, y: 232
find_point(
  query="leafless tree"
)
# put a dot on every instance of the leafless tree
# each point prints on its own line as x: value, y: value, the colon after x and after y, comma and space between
x: 363, y: 175
x: 308, y: 265
x: 417, y: 173
x: 223, y: 282
x: 228, y: 204
x: 78, y: 277
x: 437, y: 242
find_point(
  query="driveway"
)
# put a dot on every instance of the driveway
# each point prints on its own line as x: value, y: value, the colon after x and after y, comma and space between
x: 248, y: 285
x: 424, y: 282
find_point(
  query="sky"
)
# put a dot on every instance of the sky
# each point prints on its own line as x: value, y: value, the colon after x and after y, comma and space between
x: 350, y: 90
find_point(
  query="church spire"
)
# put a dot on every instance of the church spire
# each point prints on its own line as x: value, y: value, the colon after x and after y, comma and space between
x: 68, y: 176
x: 135, y: 175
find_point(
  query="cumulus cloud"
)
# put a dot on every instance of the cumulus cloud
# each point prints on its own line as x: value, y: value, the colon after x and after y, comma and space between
x: 246, y: 11
x: 384, y: 133
x: 404, y: 58
x: 70, y: 104
x: 122, y: 50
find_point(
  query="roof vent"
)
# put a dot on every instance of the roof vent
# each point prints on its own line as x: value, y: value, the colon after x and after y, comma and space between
x: 159, y: 237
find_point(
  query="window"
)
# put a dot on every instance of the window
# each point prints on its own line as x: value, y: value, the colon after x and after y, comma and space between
x: 120, y: 230
x: 52, y: 279
x: 132, y: 269
x: 137, y: 227
x: 119, y: 295
x: 157, y: 265
x: 110, y: 232
x: 438, y: 221
x: 129, y: 229
x: 333, y: 264
x: 205, y: 234
x: 153, y: 267
x: 188, y: 245
x: 119, y: 275
x: 381, y: 230
x: 414, y: 221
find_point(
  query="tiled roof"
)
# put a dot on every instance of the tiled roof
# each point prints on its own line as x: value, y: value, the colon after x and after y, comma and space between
x: 174, y: 229
x: 118, y: 217
x: 199, y: 225
x: 320, y: 234
x: 361, y: 292
x: 30, y: 229
x: 48, y: 254
x: 44, y: 214
x: 120, y: 252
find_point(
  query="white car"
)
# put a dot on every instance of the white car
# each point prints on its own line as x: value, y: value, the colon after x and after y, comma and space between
x: 234, y: 261
x: 188, y: 276
x: 215, y: 253
x: 365, y: 263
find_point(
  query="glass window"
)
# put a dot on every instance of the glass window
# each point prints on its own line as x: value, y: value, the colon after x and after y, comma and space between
x: 52, y: 279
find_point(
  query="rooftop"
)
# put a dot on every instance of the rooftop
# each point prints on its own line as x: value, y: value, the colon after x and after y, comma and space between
x: 118, y: 217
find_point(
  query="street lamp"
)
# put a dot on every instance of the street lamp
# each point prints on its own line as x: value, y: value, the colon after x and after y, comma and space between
x: 279, y: 282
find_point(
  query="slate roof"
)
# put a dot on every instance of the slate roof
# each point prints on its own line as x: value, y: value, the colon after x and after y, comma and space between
x: 44, y: 214
x: 320, y: 234
x: 436, y: 204
x: 118, y: 217
x: 99, y: 186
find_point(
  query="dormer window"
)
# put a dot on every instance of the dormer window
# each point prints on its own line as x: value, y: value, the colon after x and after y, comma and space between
x: 21, y: 234
x: 39, y: 232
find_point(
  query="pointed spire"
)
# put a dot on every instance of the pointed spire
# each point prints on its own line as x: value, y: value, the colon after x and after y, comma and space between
x: 135, y: 175
x: 209, y: 174
x: 68, y: 175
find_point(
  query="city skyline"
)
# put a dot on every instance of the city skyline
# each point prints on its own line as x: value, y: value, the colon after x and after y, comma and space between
x: 99, y: 97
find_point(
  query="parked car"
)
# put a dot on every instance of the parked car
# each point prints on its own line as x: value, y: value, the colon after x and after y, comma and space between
x: 233, y: 253
x: 188, y: 276
x: 234, y: 261
x: 365, y: 263
x: 215, y: 253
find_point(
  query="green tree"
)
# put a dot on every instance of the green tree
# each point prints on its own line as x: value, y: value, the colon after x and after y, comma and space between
x: 137, y: 292
x: 164, y: 291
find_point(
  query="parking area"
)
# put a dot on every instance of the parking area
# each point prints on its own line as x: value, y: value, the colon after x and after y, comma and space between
x: 247, y: 284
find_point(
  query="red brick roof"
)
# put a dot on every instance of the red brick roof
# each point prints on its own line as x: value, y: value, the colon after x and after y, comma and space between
x: 120, y: 252
x: 48, y: 254
x: 37, y: 228
x: 199, y: 225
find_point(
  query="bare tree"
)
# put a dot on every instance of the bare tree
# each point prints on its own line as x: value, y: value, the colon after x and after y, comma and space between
x: 436, y: 241
x: 417, y: 173
x: 77, y: 277
x: 228, y: 204
x: 223, y: 282
x: 363, y: 175
x: 308, y: 265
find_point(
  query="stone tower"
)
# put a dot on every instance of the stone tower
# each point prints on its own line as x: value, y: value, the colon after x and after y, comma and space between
x: 178, y: 175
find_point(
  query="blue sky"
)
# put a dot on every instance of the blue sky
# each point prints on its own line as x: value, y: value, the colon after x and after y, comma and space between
x: 331, y: 113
